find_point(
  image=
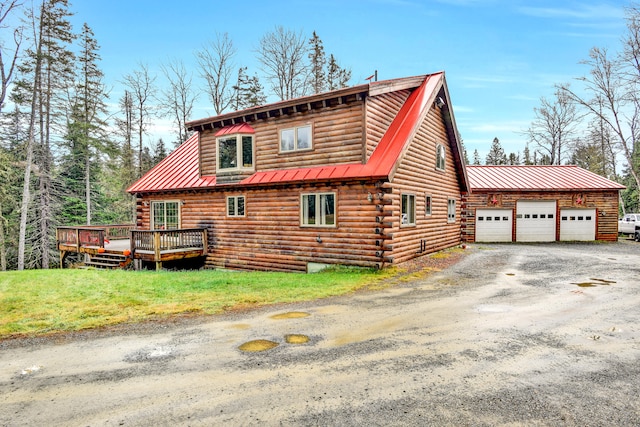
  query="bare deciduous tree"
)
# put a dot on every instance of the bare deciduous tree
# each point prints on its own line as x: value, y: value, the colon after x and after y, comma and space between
x: 282, y: 54
x: 141, y: 85
x: 7, y: 69
x: 217, y: 68
x: 554, y: 126
x: 178, y: 97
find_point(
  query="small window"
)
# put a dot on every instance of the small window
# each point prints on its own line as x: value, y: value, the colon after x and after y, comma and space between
x: 408, y: 209
x: 480, y: 218
x: 564, y: 218
x: 527, y: 216
x: 505, y: 218
x: 440, y: 157
x: 543, y: 216
x: 451, y: 210
x: 295, y: 139
x: 535, y: 216
x: 489, y: 218
x: 580, y: 218
x: 318, y: 210
x: 235, y: 152
x: 588, y: 218
x: 550, y: 216
x: 427, y: 205
x: 235, y: 205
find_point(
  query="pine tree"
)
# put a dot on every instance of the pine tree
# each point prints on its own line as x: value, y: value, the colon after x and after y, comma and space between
x: 318, y: 60
x: 476, y: 158
x: 86, y: 129
x: 248, y: 91
x: 337, y: 77
x: 496, y: 154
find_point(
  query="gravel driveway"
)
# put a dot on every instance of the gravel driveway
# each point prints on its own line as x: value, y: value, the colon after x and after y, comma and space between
x: 535, y: 335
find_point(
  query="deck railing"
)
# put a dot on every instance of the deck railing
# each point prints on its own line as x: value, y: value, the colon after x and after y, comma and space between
x: 167, y: 240
x: 88, y: 235
x: 147, y: 245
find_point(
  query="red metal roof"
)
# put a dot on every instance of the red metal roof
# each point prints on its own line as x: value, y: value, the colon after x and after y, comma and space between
x: 383, y: 158
x: 180, y: 170
x: 234, y: 129
x: 536, y: 178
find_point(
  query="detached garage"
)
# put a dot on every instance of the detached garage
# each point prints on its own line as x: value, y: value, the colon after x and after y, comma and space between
x: 539, y: 204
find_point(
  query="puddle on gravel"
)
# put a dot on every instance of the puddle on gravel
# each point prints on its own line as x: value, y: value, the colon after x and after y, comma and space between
x: 511, y: 274
x: 290, y: 315
x: 594, y: 282
x: 296, y: 339
x: 258, y: 345
x: 241, y: 326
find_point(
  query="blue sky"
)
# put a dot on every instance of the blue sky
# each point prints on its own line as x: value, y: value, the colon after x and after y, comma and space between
x: 500, y: 56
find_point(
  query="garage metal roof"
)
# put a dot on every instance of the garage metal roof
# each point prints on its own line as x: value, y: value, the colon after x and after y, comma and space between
x: 537, y: 178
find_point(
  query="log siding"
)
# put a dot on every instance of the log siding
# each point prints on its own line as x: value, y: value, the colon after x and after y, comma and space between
x: 604, y: 202
x: 337, y: 138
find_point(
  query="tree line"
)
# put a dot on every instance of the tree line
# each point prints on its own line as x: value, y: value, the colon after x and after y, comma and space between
x: 67, y: 159
x: 595, y: 125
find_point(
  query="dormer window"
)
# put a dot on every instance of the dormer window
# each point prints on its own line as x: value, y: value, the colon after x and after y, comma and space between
x: 235, y: 149
x: 295, y: 139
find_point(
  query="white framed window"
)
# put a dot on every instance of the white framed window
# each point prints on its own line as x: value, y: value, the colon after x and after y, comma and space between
x: 440, y: 156
x: 165, y: 215
x: 296, y: 139
x: 451, y: 210
x: 235, y: 152
x: 428, y: 200
x: 408, y: 211
x: 235, y: 206
x: 318, y: 210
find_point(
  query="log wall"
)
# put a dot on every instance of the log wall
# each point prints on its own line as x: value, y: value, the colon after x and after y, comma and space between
x: 417, y: 174
x: 270, y: 237
x: 605, y: 203
x: 338, y: 138
x: 381, y: 110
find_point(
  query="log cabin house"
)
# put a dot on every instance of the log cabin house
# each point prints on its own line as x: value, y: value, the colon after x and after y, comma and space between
x: 369, y: 175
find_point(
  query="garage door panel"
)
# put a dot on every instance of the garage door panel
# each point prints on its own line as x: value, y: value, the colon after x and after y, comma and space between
x: 578, y: 224
x: 494, y: 225
x: 535, y: 221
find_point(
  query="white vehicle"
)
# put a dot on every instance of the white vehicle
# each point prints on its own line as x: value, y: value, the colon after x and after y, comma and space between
x: 627, y: 225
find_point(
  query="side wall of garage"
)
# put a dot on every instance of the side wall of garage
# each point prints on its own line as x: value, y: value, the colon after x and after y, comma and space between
x: 605, y: 203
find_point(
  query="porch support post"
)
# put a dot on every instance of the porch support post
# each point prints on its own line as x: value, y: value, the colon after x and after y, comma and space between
x: 156, y: 250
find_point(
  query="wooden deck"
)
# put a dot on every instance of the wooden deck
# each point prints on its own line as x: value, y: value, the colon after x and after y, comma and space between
x: 156, y: 246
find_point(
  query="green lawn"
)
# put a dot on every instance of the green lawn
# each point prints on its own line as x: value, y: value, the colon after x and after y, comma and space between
x: 38, y: 302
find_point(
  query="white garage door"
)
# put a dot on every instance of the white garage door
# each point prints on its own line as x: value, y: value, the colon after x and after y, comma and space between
x: 536, y: 221
x: 494, y: 225
x: 578, y: 224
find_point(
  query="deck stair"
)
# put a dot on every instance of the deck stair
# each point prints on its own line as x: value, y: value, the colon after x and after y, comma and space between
x: 107, y: 261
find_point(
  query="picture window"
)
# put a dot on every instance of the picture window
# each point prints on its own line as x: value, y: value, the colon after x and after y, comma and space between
x: 295, y: 139
x: 318, y: 210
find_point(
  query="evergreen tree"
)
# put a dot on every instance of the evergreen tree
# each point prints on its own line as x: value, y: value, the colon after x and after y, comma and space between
x: 513, y: 159
x: 337, y: 77
x: 527, y: 155
x: 160, y: 152
x: 248, y: 91
x: 496, y: 154
x: 476, y: 158
x: 318, y: 62
x: 86, y: 129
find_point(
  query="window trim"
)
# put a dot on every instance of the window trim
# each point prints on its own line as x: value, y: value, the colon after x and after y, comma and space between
x: 239, y: 152
x: 295, y: 139
x: 451, y: 219
x: 318, y: 212
x: 235, y: 210
x: 152, y: 207
x: 428, y: 204
x: 412, y: 206
x: 441, y: 148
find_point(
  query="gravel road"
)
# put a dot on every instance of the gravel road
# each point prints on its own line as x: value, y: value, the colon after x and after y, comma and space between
x: 511, y: 335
